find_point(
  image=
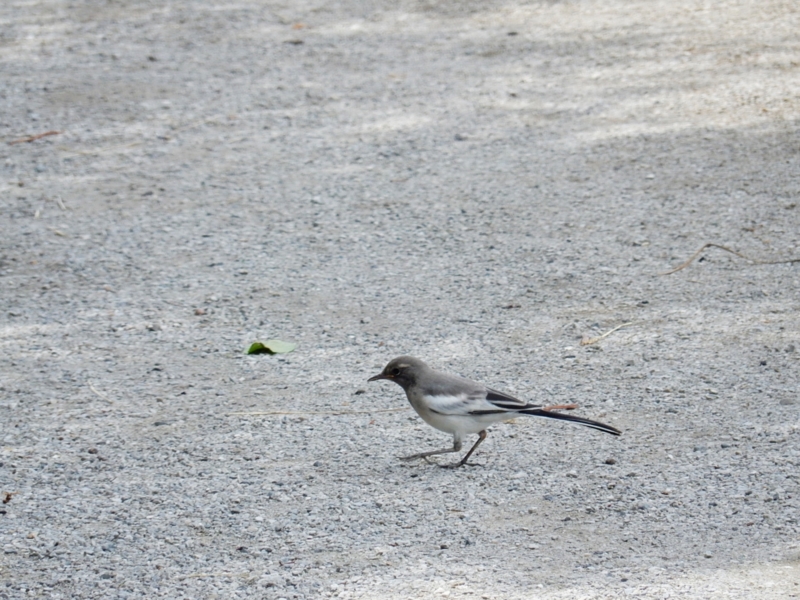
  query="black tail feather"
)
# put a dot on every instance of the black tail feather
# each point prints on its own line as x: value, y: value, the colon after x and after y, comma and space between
x: 538, y: 412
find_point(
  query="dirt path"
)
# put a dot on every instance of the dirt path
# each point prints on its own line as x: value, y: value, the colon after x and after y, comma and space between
x: 482, y: 185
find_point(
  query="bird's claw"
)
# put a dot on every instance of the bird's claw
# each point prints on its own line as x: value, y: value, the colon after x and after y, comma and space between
x: 460, y: 464
x: 410, y: 458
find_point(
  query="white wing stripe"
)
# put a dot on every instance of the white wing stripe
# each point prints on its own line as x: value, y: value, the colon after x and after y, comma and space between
x: 461, y: 405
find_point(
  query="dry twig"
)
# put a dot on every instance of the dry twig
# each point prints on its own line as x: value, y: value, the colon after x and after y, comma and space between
x: 311, y: 412
x: 594, y: 340
x: 33, y: 138
x: 560, y: 407
x: 98, y: 393
x: 203, y: 575
x: 99, y: 150
x: 739, y: 254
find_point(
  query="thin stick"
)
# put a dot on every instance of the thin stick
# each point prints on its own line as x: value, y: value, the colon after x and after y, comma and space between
x: 33, y: 138
x: 740, y: 255
x: 560, y: 407
x: 99, y: 394
x: 594, y: 340
x: 99, y: 150
x: 323, y: 412
x: 200, y: 575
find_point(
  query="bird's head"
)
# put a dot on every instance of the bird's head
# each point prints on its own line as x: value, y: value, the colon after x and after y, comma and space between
x: 403, y: 370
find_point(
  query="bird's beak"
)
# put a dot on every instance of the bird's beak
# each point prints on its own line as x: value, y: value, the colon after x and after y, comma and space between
x: 379, y: 376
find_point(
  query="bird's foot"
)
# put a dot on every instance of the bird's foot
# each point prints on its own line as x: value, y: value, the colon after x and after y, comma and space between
x: 412, y: 457
x: 460, y: 464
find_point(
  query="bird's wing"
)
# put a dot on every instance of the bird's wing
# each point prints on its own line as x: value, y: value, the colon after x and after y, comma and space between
x: 461, y: 404
x: 503, y: 401
x: 475, y: 401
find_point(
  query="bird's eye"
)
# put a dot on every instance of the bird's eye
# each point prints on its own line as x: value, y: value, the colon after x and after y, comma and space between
x: 395, y: 372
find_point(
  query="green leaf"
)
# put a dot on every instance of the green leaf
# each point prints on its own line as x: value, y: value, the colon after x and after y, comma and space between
x: 271, y: 347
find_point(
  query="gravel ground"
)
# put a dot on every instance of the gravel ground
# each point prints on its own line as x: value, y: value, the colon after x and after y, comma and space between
x: 480, y: 184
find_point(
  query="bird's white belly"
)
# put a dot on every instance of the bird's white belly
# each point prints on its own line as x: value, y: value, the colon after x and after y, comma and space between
x: 458, y: 424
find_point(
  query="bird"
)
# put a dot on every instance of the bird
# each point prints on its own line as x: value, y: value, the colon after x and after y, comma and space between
x: 460, y: 406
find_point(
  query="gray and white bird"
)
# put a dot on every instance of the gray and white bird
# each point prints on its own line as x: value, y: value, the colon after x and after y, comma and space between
x: 461, y: 406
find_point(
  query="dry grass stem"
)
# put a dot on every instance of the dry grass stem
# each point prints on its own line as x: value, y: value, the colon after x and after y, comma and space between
x: 594, y: 340
x: 311, y: 412
x: 33, y: 138
x: 98, y: 393
x: 739, y: 254
x: 201, y: 575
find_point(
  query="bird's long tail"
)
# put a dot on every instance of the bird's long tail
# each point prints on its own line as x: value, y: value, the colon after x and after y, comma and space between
x: 540, y: 412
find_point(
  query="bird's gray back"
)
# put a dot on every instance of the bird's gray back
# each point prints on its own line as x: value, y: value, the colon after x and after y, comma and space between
x: 434, y: 383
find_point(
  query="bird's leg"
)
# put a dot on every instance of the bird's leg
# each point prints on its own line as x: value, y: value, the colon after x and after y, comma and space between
x: 456, y: 447
x: 463, y: 461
